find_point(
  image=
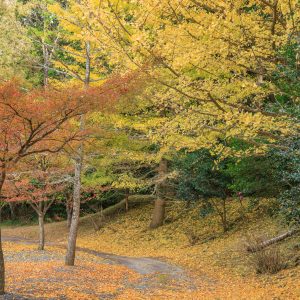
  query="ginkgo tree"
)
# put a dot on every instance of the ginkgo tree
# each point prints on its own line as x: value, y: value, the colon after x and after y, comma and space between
x: 210, y: 66
x: 44, y: 35
x: 84, y: 57
x: 117, y: 159
x: 77, y: 59
x: 16, y: 57
x: 213, y: 63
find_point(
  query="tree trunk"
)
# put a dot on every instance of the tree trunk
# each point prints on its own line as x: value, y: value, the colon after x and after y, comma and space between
x: 46, y: 70
x: 69, y: 200
x: 2, y: 269
x: 222, y: 212
x: 160, y: 203
x: 70, y: 256
x: 12, y: 210
x: 69, y: 215
x: 224, y: 216
x: 41, y: 232
x: 158, y: 213
x: 46, y: 61
x: 126, y: 201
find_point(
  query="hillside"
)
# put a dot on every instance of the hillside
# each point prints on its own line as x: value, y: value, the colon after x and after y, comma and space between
x: 218, y: 263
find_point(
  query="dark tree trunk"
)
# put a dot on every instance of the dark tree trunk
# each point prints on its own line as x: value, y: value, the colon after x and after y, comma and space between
x: 41, y: 232
x: 222, y: 212
x: 126, y: 201
x: 224, y: 218
x: 2, y: 269
x: 41, y: 209
x: 12, y: 208
x: 160, y: 203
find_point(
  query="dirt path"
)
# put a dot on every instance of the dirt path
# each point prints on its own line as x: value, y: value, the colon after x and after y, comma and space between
x: 153, y: 273
x: 141, y: 265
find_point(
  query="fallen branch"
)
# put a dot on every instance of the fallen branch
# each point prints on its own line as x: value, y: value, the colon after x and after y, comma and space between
x: 272, y: 241
x: 133, y: 200
x: 120, y: 206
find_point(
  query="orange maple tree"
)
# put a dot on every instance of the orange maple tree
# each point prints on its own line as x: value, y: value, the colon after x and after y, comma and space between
x: 38, y: 121
x: 38, y: 190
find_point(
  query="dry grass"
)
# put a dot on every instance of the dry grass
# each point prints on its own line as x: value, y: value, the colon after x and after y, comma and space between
x: 268, y: 261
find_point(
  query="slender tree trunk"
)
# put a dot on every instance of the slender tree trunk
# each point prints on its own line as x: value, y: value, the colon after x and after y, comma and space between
x: 46, y: 72
x: 46, y: 66
x: 160, y: 203
x: 45, y: 55
x: 12, y: 208
x: 224, y: 219
x: 71, y: 249
x: 222, y: 212
x: 126, y: 201
x: 41, y: 232
x: 70, y: 257
x: 2, y: 267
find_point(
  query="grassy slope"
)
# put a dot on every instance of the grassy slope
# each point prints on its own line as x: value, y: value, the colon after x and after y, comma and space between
x: 218, y: 261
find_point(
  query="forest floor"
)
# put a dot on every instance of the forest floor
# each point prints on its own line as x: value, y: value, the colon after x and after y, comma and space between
x: 153, y: 264
x: 34, y: 274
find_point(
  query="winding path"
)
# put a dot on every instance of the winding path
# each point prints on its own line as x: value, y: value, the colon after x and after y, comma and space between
x: 155, y: 273
x: 141, y: 265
